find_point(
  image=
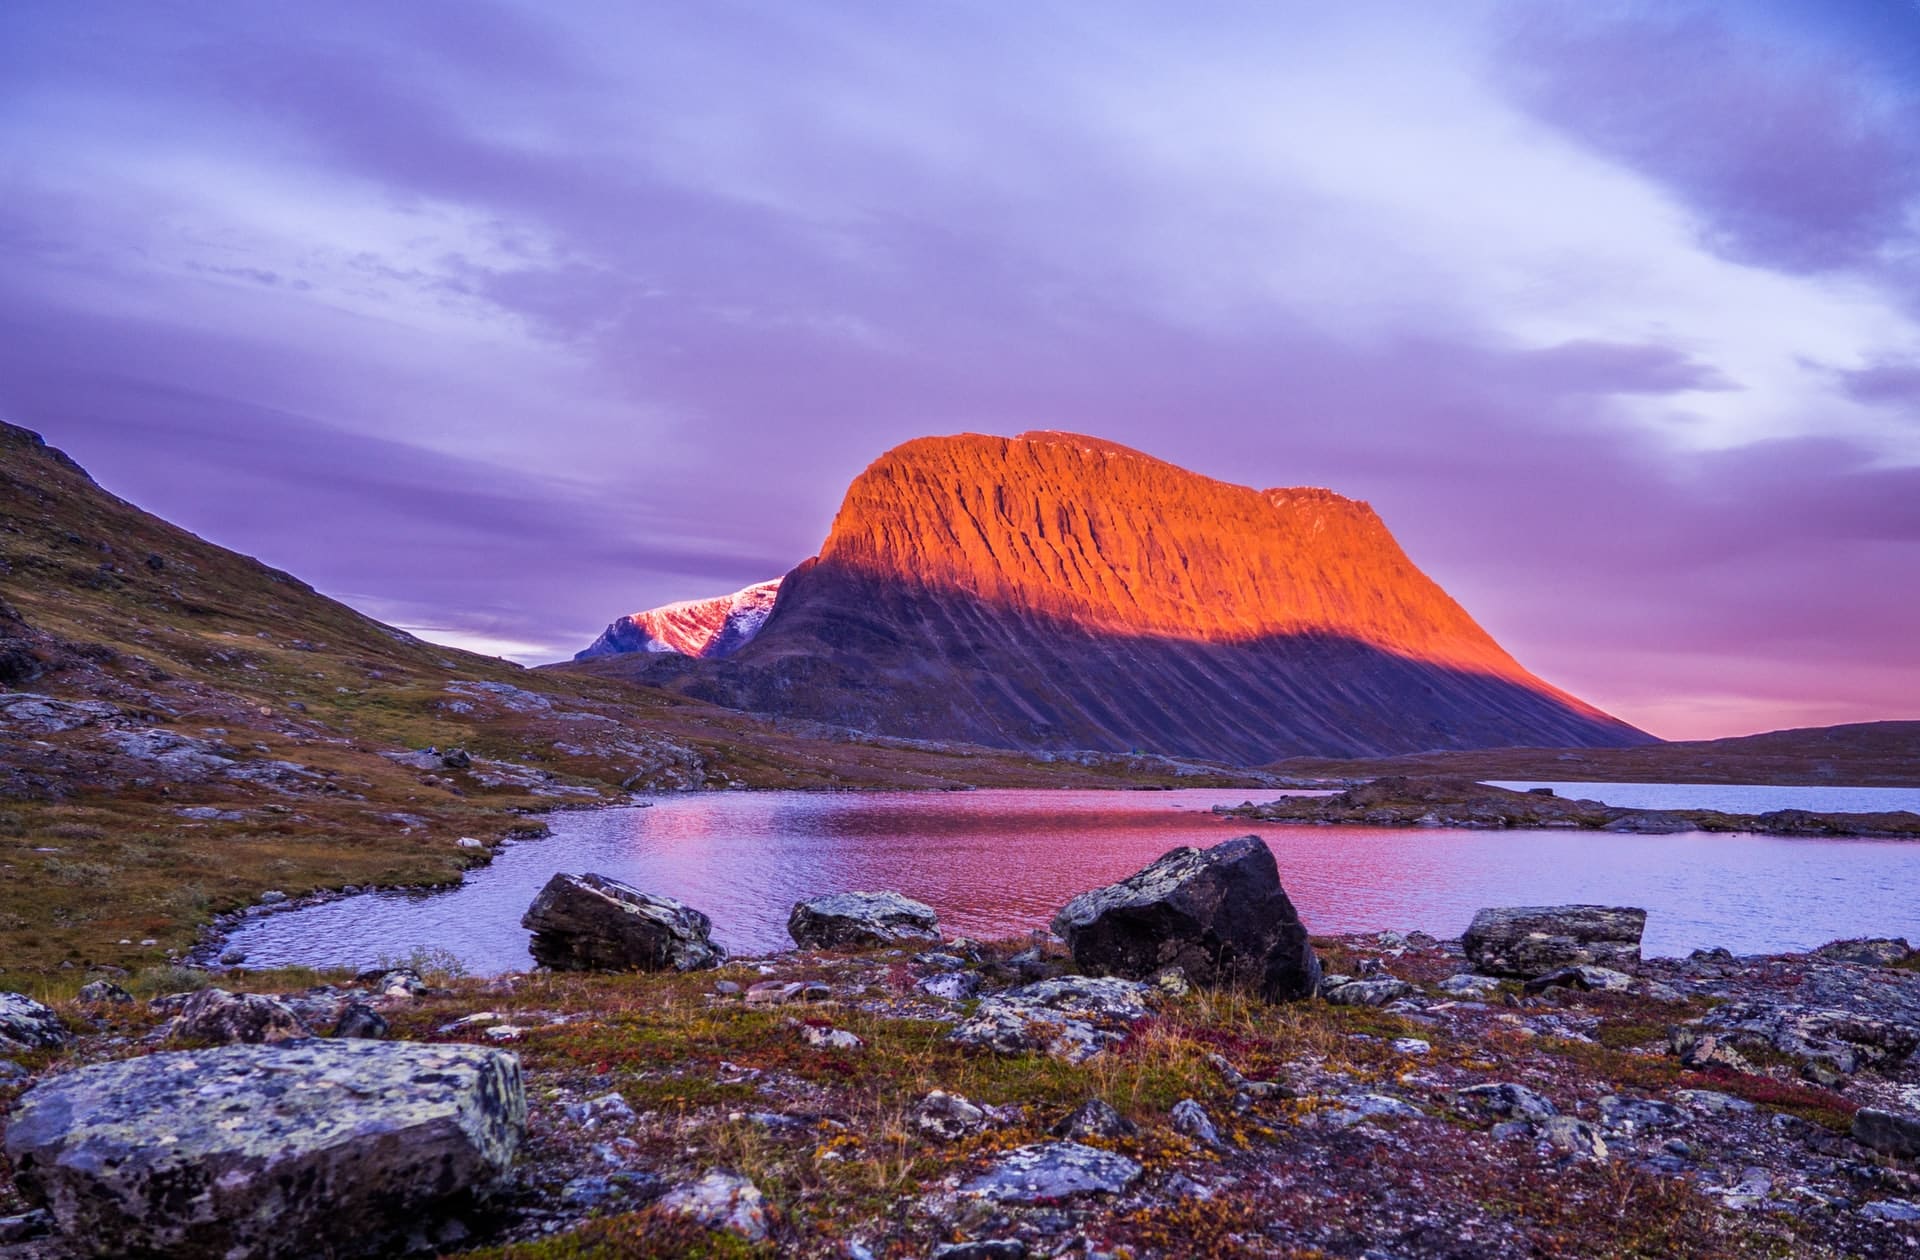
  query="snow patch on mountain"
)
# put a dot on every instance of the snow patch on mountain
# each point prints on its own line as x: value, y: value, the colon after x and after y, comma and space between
x: 714, y: 627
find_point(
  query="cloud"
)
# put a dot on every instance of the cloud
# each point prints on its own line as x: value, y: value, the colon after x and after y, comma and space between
x: 546, y: 317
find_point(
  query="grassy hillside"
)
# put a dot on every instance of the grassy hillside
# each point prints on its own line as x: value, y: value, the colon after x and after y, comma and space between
x: 1865, y: 754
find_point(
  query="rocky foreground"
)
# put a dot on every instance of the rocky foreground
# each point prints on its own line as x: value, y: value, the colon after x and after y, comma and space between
x: 1452, y: 801
x: 1534, y: 1089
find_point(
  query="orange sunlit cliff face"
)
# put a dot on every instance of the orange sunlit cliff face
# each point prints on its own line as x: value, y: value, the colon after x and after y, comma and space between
x: 1058, y: 591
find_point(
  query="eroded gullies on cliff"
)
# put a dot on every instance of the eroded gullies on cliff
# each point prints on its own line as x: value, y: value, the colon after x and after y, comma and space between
x: 1055, y: 591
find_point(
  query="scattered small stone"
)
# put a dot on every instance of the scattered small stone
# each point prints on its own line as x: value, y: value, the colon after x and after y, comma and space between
x: 103, y: 993
x: 984, y: 1249
x: 1369, y: 992
x: 951, y: 986
x: 272, y: 897
x: 1053, y: 1170
x: 1412, y: 1045
x: 610, y: 1108
x: 830, y: 1038
x: 233, y: 957
x: 1069, y: 1017
x: 947, y: 1117
x: 1629, y: 1115
x: 720, y: 1200
x: 468, y: 842
x: 774, y: 992
x: 1094, y: 1118
x: 1573, y: 1138
x: 1469, y: 985
x: 629, y: 1186
x: 1712, y: 1102
x: 1584, y: 977
x: 11, y: 1071
x: 1506, y: 1099
x: 361, y: 1021
x: 1191, y: 1119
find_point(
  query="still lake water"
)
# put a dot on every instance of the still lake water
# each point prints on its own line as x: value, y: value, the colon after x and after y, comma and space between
x: 998, y: 863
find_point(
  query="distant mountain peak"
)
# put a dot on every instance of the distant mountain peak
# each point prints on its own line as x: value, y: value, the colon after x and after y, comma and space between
x: 714, y: 627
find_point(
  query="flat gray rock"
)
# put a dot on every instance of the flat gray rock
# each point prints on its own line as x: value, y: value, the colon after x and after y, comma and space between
x: 1053, y: 1170
x: 257, y: 1151
x: 1528, y: 941
x: 1068, y: 1017
x: 861, y: 918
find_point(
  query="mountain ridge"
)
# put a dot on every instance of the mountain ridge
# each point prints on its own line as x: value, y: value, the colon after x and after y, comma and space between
x: 1051, y: 590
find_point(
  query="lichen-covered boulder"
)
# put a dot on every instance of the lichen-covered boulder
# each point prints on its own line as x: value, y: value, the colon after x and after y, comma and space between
x: 223, y: 1018
x: 1051, y: 1171
x: 593, y: 923
x: 259, y: 1151
x: 1068, y: 1017
x: 1866, y: 951
x: 861, y: 918
x: 1528, y: 941
x: 27, y: 1025
x: 1219, y: 914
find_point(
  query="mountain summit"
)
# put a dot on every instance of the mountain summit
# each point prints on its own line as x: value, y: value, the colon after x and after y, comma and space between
x: 1055, y: 591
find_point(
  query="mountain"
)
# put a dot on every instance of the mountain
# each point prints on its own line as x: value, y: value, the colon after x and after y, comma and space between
x: 713, y: 627
x: 1054, y: 591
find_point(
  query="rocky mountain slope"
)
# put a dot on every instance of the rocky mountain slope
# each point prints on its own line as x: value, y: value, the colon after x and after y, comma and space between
x: 713, y: 627
x: 183, y: 728
x: 1056, y: 591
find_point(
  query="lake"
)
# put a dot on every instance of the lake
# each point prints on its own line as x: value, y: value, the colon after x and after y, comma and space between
x: 999, y: 863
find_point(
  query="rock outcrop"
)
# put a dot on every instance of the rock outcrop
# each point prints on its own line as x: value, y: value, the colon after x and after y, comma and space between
x: 861, y: 918
x: 265, y: 1151
x: 593, y: 923
x: 1219, y: 915
x: 1529, y: 941
x: 1055, y: 591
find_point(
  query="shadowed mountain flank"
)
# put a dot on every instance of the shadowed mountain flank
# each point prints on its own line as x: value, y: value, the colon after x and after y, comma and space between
x: 1052, y: 591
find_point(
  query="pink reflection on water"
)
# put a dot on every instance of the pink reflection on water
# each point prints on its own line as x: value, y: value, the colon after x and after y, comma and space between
x: 1000, y: 863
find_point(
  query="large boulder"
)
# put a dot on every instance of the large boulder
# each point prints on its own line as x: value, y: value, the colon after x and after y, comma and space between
x: 861, y: 918
x: 266, y: 1151
x: 27, y: 1025
x: 1219, y: 914
x: 593, y: 923
x: 1528, y: 941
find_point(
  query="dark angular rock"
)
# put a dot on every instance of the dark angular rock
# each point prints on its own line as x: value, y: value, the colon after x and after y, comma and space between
x: 593, y: 923
x: 1527, y: 941
x: 361, y: 1021
x: 1218, y: 914
x: 1895, y: 1133
x: 861, y: 918
x: 267, y: 1148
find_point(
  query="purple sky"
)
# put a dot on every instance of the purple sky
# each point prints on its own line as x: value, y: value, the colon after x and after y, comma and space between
x: 499, y: 326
